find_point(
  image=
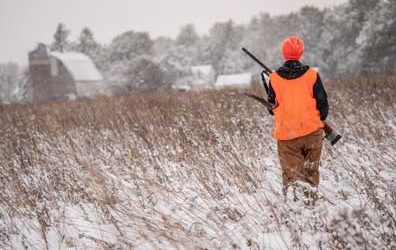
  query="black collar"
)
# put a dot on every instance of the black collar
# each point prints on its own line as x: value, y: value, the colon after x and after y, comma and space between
x: 292, y: 63
x: 292, y: 69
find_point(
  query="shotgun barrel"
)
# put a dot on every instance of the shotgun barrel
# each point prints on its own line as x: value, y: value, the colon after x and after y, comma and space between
x: 267, y: 70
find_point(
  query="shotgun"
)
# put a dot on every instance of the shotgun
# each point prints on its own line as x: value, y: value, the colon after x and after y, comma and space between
x: 330, y: 133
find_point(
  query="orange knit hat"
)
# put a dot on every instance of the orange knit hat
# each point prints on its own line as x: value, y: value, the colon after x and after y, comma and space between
x: 293, y: 48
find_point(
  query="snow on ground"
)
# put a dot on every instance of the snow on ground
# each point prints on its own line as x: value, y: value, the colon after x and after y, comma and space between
x: 187, y: 172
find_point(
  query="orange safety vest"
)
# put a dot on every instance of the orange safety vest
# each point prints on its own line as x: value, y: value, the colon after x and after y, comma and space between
x: 296, y: 115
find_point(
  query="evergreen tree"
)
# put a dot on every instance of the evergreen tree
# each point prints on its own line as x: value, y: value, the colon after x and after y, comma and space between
x: 87, y: 45
x: 86, y: 42
x: 60, y: 42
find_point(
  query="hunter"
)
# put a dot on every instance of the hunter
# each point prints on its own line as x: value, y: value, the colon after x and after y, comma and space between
x: 302, y: 108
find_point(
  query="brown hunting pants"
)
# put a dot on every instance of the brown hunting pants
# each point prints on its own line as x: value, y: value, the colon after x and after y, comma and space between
x: 300, y: 158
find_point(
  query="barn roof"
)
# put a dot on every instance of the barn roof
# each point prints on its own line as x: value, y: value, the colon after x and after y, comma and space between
x: 230, y: 80
x: 80, y: 66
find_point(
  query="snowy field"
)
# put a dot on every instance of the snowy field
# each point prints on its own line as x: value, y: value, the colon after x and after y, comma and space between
x: 192, y: 171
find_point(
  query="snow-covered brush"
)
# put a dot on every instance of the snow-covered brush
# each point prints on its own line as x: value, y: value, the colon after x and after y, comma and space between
x: 191, y: 170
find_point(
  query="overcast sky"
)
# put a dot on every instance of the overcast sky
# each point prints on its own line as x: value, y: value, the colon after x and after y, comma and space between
x: 24, y: 23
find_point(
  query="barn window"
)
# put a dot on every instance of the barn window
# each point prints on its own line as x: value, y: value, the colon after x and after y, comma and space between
x: 54, y: 67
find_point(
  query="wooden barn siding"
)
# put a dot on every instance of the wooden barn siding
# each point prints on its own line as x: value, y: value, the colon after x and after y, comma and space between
x: 63, y: 84
x: 47, y: 87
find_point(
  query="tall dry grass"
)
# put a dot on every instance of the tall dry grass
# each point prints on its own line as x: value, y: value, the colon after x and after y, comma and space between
x: 188, y: 170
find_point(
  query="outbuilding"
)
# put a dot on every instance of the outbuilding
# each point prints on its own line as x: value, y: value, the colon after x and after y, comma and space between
x: 234, y: 81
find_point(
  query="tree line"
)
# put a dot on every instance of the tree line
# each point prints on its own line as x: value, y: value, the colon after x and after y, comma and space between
x: 355, y: 39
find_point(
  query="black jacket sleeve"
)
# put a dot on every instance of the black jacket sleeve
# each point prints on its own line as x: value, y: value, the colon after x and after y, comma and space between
x: 271, y: 96
x: 320, y: 95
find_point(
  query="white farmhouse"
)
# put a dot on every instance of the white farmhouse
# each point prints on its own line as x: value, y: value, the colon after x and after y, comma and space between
x: 233, y: 81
